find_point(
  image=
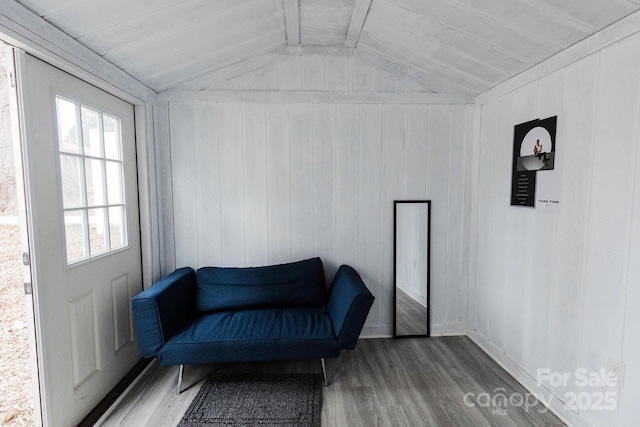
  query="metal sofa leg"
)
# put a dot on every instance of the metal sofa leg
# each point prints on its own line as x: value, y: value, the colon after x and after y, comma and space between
x: 180, y: 373
x: 324, y: 373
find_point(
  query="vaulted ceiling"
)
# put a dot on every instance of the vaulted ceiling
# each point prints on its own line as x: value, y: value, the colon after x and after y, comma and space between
x: 446, y: 46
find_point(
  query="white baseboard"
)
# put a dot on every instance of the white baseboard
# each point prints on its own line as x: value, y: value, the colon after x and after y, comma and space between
x: 376, y: 332
x: 569, y: 417
x: 436, y: 331
x: 448, y: 330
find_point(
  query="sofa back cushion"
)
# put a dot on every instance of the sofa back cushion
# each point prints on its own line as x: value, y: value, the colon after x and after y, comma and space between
x: 294, y: 284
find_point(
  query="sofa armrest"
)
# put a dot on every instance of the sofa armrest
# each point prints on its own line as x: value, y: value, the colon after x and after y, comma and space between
x: 349, y: 304
x: 159, y: 310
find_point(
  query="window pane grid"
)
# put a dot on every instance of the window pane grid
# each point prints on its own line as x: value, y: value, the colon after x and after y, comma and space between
x: 92, y: 181
x: 95, y: 207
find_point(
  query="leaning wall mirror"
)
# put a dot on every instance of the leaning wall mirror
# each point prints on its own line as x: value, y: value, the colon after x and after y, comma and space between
x: 411, y: 269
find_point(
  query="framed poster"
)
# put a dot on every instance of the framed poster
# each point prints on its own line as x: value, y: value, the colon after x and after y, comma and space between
x: 534, y: 153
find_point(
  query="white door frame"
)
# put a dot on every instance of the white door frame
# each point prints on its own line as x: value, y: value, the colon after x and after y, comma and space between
x: 147, y: 199
x: 24, y: 242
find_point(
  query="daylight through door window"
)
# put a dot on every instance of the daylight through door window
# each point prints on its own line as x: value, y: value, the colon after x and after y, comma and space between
x: 91, y: 180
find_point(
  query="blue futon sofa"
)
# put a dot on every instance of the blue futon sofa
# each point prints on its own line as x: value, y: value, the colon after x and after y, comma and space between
x: 277, y: 312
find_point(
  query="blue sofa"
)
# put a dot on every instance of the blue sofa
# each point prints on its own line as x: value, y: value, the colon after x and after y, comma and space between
x: 277, y: 312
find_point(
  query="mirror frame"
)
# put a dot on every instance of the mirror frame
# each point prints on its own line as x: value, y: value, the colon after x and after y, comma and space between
x: 395, y: 251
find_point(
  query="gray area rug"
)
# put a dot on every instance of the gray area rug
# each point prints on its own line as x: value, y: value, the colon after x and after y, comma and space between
x: 257, y: 400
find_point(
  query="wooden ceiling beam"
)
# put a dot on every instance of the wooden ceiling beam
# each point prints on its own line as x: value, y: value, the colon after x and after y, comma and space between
x: 292, y: 21
x: 358, y: 18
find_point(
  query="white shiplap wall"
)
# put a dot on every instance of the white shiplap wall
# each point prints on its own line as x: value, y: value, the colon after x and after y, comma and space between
x: 257, y: 183
x: 560, y: 291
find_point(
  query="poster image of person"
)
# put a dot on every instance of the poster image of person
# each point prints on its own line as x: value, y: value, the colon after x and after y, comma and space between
x: 533, y: 150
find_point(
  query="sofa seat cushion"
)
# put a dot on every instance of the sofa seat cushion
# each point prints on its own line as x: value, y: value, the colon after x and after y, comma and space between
x: 253, y: 334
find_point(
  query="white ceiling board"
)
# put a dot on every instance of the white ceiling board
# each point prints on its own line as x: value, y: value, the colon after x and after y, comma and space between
x: 205, y: 64
x: 292, y: 22
x: 324, y: 22
x: 184, y: 46
x: 597, y: 13
x: 397, y: 36
x: 190, y: 36
x: 94, y: 15
x: 425, y: 78
x: 181, y: 15
x: 444, y: 45
x: 524, y: 46
x: 448, y: 37
x: 45, y: 7
x: 420, y: 59
x: 522, y: 16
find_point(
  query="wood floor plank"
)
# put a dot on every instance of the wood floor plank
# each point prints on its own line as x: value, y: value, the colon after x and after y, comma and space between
x: 383, y: 382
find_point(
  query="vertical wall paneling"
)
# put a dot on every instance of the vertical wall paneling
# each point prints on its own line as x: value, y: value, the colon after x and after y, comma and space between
x: 266, y: 78
x: 259, y: 183
x: 612, y: 186
x: 324, y: 209
x: 360, y: 76
x: 415, y: 156
x: 404, y: 86
x: 337, y: 73
x: 243, y: 82
x: 580, y: 99
x: 313, y: 72
x: 469, y: 242
x: 184, y: 184
x: 301, y: 179
x: 347, y: 183
x: 393, y: 148
x: 520, y: 107
x: 289, y: 73
x: 550, y: 102
x: 630, y: 411
x: 455, y: 214
x: 512, y: 283
x: 482, y: 297
x: 162, y: 121
x: 501, y: 168
x: 232, y: 208
x: 370, y: 198
x: 383, y: 81
x: 255, y: 184
x: 207, y: 170
x: 278, y: 183
x: 318, y: 72
x: 437, y: 190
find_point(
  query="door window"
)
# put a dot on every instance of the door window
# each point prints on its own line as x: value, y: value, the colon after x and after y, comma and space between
x: 91, y: 178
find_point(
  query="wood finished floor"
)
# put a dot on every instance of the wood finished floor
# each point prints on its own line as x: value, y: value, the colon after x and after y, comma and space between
x: 383, y: 382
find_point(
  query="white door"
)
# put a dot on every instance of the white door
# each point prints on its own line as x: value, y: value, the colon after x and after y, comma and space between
x: 80, y: 156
